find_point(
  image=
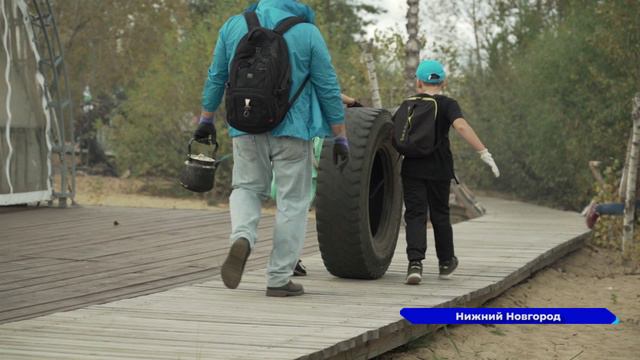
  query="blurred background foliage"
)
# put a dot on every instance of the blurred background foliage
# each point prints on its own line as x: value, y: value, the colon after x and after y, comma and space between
x: 547, y: 84
x: 553, y: 92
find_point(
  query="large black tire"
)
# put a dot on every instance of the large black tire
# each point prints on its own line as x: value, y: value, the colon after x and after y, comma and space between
x: 358, y: 210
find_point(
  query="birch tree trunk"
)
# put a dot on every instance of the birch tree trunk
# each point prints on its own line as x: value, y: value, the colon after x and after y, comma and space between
x: 476, y: 35
x: 373, y: 76
x: 623, y: 180
x: 595, y: 170
x: 412, y: 50
x: 632, y: 174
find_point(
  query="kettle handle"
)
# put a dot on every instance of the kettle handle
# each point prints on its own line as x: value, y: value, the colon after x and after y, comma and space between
x: 214, y: 143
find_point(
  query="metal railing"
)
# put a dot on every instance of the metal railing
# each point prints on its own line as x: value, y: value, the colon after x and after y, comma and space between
x: 52, y: 67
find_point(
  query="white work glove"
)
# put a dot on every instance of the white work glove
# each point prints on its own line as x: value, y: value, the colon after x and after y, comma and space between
x: 485, y: 156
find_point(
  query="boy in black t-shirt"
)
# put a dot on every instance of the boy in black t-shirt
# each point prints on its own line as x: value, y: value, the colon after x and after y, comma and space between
x: 426, y: 181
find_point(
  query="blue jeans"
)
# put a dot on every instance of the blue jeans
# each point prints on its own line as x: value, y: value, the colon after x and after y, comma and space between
x: 613, y: 208
x: 256, y: 159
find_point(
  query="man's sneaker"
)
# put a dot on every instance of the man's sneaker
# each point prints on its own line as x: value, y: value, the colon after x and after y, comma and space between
x: 291, y: 289
x: 592, y: 216
x: 233, y: 266
x: 448, y: 267
x: 414, y: 273
x: 300, y: 270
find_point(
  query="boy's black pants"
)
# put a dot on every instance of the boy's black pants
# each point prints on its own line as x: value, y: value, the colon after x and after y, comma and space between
x: 421, y: 197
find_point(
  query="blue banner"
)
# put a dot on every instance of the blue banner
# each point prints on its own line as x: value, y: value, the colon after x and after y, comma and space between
x: 446, y: 316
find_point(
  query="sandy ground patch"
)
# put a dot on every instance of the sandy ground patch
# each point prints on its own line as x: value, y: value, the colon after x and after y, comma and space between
x: 590, y: 277
x: 110, y: 191
x: 144, y: 193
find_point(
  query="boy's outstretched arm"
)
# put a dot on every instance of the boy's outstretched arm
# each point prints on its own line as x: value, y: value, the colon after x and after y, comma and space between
x: 466, y: 131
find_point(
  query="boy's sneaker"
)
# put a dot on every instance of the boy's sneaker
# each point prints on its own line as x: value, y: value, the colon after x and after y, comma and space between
x: 300, y: 270
x: 414, y: 272
x: 448, y: 267
x: 291, y: 289
x: 233, y: 266
x: 592, y: 216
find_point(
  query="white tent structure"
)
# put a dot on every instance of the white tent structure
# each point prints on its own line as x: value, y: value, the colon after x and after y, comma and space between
x: 36, y: 163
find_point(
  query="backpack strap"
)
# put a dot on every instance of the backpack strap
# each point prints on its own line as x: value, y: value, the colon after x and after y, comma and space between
x: 286, y: 24
x: 420, y: 97
x: 298, y: 92
x: 252, y: 20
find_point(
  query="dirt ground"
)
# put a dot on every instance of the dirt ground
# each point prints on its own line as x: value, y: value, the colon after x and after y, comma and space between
x: 590, y: 277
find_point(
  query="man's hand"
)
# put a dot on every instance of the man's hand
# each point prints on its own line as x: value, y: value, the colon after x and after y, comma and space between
x: 340, y: 152
x: 485, y: 156
x: 206, y: 131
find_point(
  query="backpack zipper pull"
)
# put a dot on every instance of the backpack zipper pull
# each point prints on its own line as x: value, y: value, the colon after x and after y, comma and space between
x: 247, y: 108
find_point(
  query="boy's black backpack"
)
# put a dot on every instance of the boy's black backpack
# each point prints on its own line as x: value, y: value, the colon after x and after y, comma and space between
x: 414, y: 127
x: 257, y: 94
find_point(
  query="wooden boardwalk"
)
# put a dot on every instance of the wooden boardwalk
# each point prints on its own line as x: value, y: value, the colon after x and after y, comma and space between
x: 61, y: 259
x: 337, y: 318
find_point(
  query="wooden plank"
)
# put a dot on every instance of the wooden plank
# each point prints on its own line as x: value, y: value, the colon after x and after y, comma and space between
x: 202, y: 250
x: 55, y: 260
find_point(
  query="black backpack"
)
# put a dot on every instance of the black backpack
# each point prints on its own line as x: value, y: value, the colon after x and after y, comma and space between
x: 414, y: 127
x: 257, y: 94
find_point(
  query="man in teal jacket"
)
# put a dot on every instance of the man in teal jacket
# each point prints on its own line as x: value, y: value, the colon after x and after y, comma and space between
x: 285, y: 151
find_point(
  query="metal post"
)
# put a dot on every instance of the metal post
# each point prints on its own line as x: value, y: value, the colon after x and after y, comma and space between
x: 70, y: 186
x: 632, y: 174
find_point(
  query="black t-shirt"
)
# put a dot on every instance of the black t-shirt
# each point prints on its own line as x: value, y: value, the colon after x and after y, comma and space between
x: 439, y: 164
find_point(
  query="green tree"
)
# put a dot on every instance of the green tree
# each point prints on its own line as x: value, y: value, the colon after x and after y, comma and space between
x: 151, y: 132
x: 108, y: 44
x: 555, y: 94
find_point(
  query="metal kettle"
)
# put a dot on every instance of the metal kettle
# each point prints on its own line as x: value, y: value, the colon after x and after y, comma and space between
x: 199, y: 172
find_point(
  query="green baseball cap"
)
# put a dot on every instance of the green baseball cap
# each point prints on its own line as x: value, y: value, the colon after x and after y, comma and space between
x: 431, y: 72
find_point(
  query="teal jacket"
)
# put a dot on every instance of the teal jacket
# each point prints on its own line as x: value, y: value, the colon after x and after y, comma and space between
x: 319, y: 106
